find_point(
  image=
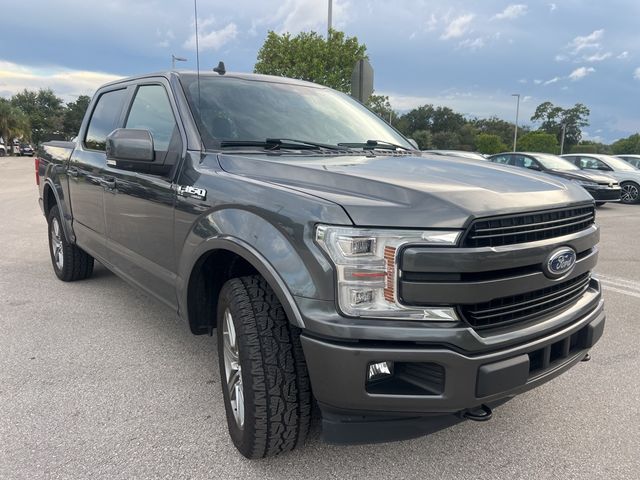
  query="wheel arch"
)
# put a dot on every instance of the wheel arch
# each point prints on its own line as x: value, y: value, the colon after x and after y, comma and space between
x: 218, y: 260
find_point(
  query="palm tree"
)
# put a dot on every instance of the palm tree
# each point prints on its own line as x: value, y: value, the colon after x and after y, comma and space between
x: 13, y: 123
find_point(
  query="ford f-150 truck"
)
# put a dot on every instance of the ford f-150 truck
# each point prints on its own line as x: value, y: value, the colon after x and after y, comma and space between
x: 401, y: 291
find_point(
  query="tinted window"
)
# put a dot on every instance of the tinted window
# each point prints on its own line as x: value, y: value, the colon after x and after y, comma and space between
x: 593, y: 164
x: 228, y: 108
x: 104, y: 119
x: 503, y: 159
x: 151, y: 111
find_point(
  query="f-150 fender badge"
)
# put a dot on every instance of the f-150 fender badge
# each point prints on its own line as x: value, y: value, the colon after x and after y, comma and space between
x: 193, y: 192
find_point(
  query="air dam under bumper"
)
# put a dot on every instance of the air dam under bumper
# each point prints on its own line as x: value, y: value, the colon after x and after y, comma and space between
x: 338, y: 376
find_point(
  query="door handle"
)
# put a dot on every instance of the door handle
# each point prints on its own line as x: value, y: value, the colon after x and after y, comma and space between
x: 72, y: 172
x: 109, y: 183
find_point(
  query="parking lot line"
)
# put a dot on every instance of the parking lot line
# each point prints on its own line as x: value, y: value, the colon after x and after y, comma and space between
x: 620, y: 285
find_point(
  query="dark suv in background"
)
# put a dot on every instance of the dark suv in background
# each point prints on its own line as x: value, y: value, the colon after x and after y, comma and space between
x: 601, y: 187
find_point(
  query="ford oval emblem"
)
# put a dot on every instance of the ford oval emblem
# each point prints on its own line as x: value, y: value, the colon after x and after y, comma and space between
x: 560, y: 262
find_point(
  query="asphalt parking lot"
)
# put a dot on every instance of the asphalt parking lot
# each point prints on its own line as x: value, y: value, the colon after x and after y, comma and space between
x: 99, y: 381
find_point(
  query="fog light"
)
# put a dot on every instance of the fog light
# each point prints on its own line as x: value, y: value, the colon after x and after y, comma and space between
x: 379, y: 370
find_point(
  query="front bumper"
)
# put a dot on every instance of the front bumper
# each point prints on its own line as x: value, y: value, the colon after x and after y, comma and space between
x: 338, y: 370
x: 610, y: 194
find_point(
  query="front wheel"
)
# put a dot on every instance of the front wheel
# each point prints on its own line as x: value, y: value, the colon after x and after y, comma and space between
x: 264, y: 379
x: 630, y: 192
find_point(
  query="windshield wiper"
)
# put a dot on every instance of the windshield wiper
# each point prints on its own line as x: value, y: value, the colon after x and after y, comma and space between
x: 280, y: 143
x: 375, y: 144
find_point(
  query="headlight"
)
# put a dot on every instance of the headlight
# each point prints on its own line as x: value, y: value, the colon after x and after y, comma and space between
x: 365, y: 262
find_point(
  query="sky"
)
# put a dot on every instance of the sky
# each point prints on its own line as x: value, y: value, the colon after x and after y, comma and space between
x: 467, y: 55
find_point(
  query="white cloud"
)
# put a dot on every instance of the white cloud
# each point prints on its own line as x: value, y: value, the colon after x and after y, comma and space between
x: 588, y: 41
x: 526, y: 98
x: 458, y: 26
x: 597, y: 57
x: 511, y: 12
x: 295, y: 16
x: 472, y: 44
x: 432, y: 23
x: 623, y: 55
x: 66, y: 83
x: 552, y: 80
x: 560, y: 58
x: 580, y: 73
x: 522, y: 80
x: 552, y: 7
x: 537, y: 82
x: 636, y: 73
x: 211, y: 39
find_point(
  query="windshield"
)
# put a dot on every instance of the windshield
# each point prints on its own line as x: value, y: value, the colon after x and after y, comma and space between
x: 619, y: 164
x: 233, y: 109
x: 553, y: 162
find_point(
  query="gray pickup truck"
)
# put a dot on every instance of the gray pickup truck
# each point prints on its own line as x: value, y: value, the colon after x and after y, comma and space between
x: 402, y: 292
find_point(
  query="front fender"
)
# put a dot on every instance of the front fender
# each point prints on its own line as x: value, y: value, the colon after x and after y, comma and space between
x: 277, y: 255
x: 63, y: 205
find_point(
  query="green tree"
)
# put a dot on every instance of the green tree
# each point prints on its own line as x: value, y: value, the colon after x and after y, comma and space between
x: 380, y: 104
x: 552, y: 119
x: 446, y: 141
x: 310, y: 56
x: 490, y: 143
x: 44, y: 110
x: 13, y: 123
x: 538, y: 142
x: 416, y: 119
x: 423, y: 138
x: 588, y: 146
x: 73, y: 115
x: 630, y: 144
x: 499, y: 127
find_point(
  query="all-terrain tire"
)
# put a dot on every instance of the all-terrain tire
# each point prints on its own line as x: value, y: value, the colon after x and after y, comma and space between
x: 274, y: 379
x: 69, y: 261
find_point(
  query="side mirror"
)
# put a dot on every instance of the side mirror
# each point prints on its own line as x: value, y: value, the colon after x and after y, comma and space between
x: 535, y: 167
x: 413, y: 143
x: 130, y: 145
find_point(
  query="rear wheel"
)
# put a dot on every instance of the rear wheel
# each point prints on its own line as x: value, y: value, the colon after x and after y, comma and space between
x: 630, y: 192
x: 69, y: 261
x: 266, y: 389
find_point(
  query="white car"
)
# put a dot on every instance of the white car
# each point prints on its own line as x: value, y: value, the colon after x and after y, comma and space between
x: 627, y: 175
x: 3, y: 150
x: 630, y: 158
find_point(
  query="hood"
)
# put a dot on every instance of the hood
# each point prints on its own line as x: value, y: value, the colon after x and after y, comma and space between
x: 410, y: 191
x: 584, y: 175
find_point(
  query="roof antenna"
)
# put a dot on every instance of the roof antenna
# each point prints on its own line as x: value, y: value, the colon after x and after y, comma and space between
x: 195, y: 12
x: 220, y: 69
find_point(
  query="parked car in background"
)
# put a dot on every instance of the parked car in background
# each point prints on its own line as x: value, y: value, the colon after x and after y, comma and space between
x: 3, y: 150
x: 630, y: 158
x: 603, y: 188
x: 458, y: 153
x: 15, y: 150
x: 26, y: 150
x: 627, y: 175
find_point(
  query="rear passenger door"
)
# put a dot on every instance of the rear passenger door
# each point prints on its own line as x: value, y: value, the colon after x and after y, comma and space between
x: 85, y: 172
x: 140, y: 206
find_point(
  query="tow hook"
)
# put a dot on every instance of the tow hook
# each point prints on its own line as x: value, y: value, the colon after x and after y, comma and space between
x: 586, y: 358
x: 478, y: 414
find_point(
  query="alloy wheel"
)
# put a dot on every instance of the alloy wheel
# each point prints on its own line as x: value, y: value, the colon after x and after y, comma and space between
x: 56, y: 243
x: 630, y: 193
x: 232, y: 368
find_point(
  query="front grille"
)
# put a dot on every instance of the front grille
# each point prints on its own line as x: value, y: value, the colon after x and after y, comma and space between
x: 527, y: 227
x: 526, y: 306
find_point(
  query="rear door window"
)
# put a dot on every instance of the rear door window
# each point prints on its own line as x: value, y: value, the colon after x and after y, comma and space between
x: 104, y: 119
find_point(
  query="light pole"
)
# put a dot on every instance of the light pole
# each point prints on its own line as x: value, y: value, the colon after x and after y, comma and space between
x: 329, y: 19
x: 564, y: 131
x: 515, y: 134
x: 175, y: 59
